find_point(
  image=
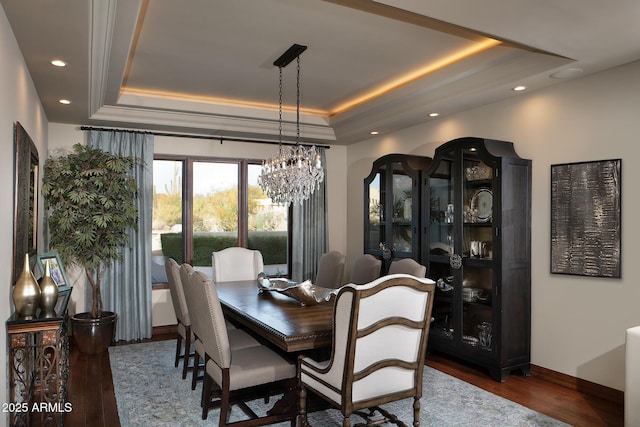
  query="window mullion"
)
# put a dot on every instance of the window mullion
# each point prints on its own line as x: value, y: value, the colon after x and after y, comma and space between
x: 187, y: 228
x: 243, y: 209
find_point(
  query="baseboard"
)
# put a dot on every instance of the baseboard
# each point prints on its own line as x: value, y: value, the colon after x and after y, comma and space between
x: 164, y: 330
x: 578, y: 384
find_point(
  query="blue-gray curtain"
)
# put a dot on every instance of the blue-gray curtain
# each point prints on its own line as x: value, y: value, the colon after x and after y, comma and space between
x: 126, y: 285
x: 309, y: 234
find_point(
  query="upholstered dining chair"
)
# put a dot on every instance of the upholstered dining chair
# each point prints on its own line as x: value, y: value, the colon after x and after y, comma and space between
x: 379, y: 344
x: 366, y: 268
x: 238, y: 338
x: 182, y: 314
x: 330, y: 270
x: 231, y: 370
x: 407, y: 266
x: 236, y: 263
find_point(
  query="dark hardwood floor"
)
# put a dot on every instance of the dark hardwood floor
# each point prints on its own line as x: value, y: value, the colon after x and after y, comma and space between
x: 90, y: 391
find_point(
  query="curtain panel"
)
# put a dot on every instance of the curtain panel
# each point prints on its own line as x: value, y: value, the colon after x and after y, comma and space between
x: 309, y: 234
x: 126, y: 287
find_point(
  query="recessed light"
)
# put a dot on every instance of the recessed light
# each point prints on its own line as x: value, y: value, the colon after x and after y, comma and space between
x: 434, y: 114
x: 519, y: 88
x: 64, y: 101
x: 58, y: 63
x: 374, y: 132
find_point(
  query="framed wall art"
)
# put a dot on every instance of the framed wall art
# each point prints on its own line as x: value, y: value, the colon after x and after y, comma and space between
x: 25, y: 192
x: 586, y: 218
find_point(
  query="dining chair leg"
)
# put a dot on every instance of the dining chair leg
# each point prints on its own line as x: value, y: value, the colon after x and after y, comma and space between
x: 302, y: 406
x: 206, y: 395
x: 292, y: 389
x: 416, y: 411
x: 196, y: 362
x: 225, y: 395
x: 187, y: 352
x: 178, y: 348
x: 346, y: 422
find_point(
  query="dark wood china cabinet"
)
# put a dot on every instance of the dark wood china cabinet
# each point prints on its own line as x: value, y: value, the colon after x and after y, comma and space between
x: 476, y: 212
x: 392, y: 203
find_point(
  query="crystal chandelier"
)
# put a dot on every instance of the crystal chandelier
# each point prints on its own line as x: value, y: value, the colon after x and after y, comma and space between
x: 294, y: 172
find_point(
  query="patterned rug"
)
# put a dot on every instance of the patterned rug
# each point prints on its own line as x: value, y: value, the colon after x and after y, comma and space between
x: 150, y: 392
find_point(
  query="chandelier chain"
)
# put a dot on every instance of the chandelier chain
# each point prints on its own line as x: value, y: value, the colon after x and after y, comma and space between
x: 280, y: 112
x: 298, y: 101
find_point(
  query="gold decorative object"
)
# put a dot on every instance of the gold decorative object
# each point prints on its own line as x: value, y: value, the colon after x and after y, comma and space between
x: 26, y: 292
x: 48, y: 293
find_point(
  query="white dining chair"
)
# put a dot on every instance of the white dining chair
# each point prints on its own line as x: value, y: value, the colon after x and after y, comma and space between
x: 236, y: 263
x: 182, y: 314
x: 229, y: 370
x: 238, y: 338
x: 407, y: 266
x: 330, y: 270
x: 379, y: 344
x: 366, y: 268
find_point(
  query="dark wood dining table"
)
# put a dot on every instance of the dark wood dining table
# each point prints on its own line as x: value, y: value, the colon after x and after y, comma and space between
x: 277, y: 318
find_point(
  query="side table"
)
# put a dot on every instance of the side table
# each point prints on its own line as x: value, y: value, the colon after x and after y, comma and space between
x: 39, y: 366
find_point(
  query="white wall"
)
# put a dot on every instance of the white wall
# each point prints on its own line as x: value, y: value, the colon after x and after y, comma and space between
x: 578, y: 323
x: 19, y: 102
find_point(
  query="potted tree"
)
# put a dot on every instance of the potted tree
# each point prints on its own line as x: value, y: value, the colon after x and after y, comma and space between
x: 90, y: 198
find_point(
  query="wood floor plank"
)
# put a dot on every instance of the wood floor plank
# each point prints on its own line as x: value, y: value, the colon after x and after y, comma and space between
x: 110, y: 407
x: 93, y: 392
x: 75, y: 389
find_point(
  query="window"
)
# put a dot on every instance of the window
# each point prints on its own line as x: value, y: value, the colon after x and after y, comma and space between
x: 201, y: 205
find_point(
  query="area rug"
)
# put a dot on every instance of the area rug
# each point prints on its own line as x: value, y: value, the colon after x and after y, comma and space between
x: 150, y: 391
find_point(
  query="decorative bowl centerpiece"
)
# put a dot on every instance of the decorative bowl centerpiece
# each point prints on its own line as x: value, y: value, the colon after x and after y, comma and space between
x: 306, y: 292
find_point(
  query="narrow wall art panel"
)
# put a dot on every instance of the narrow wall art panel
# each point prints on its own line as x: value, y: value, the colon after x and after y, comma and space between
x: 585, y: 218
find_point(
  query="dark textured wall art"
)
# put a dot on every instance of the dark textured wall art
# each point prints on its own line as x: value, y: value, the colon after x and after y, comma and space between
x: 585, y: 218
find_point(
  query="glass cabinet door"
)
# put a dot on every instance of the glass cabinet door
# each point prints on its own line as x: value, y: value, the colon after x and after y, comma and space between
x: 401, y: 211
x: 441, y: 244
x: 392, y: 201
x: 460, y: 245
x: 477, y: 248
x: 374, y: 227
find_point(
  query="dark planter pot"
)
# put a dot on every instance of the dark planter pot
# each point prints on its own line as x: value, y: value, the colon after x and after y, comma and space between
x: 93, y: 336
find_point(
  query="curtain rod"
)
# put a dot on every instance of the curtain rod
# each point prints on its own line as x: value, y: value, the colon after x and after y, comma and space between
x: 195, y: 136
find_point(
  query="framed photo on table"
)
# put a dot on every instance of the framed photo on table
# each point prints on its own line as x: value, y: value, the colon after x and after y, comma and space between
x: 56, y: 268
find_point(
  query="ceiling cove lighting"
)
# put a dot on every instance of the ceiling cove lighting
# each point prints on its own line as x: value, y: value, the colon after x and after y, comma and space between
x: 293, y: 173
x: 214, y: 100
x: 432, y: 67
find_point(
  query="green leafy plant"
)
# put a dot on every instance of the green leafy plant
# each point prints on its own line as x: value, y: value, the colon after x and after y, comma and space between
x: 91, y: 202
